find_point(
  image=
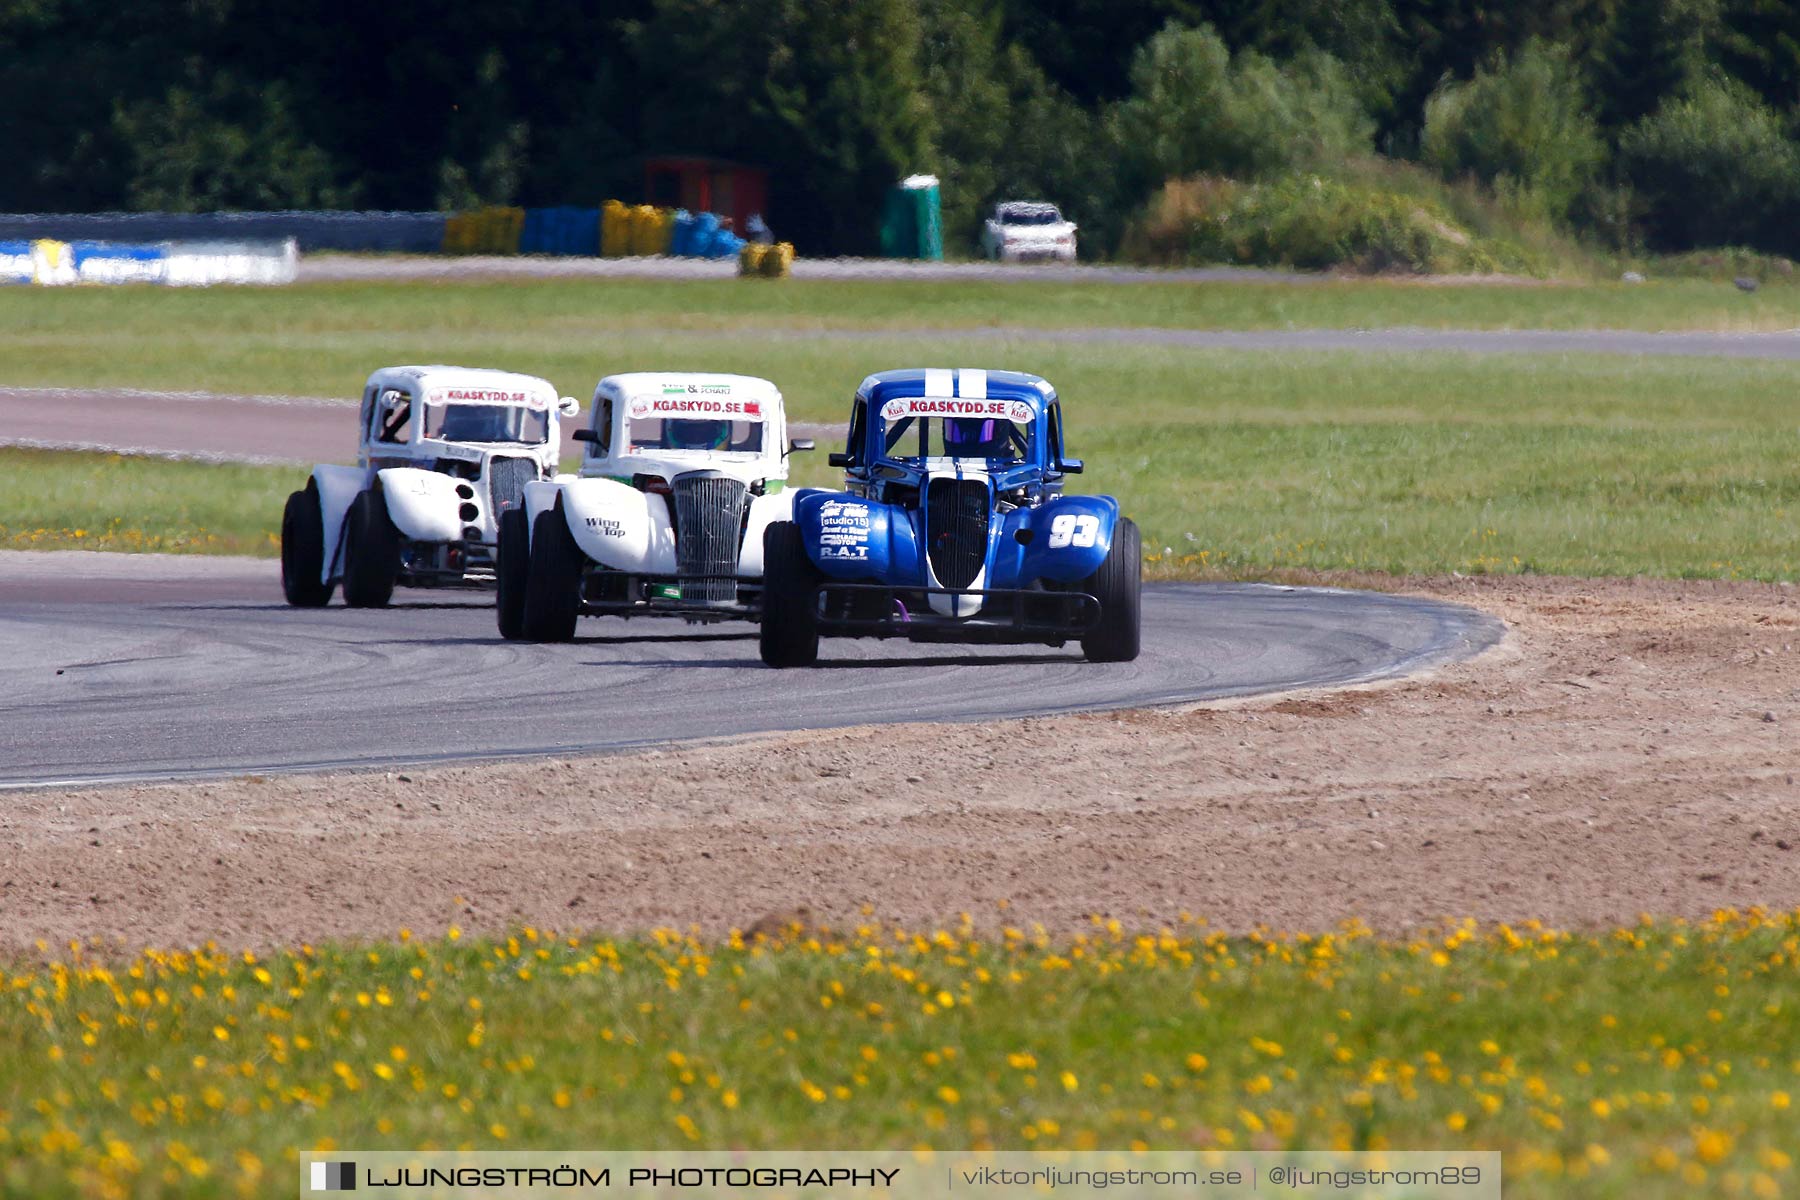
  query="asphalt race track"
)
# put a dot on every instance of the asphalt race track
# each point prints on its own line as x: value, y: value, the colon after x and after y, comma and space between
x: 136, y: 667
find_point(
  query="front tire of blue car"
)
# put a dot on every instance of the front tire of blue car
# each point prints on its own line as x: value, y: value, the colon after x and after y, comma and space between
x: 1119, y: 586
x: 790, y: 627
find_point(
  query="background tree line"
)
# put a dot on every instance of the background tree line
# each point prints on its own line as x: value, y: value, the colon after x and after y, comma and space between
x: 1666, y: 123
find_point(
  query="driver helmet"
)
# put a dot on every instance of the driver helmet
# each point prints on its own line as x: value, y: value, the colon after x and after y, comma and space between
x: 972, y: 437
x: 699, y: 435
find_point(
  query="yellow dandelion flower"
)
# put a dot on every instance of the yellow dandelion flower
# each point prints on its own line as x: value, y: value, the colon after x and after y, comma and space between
x: 1711, y: 1145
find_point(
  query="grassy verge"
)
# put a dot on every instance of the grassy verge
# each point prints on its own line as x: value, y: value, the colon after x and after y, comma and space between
x: 52, y: 500
x: 1233, y: 463
x: 321, y: 339
x: 1654, y: 1061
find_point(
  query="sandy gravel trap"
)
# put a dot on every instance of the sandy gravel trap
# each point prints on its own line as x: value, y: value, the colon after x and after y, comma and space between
x: 1628, y: 749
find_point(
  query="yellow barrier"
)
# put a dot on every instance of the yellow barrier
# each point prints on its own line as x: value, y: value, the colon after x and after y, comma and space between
x: 493, y: 230
x: 757, y: 261
x: 650, y: 228
x: 778, y: 260
x: 615, y: 229
x: 506, y: 226
x: 459, y: 233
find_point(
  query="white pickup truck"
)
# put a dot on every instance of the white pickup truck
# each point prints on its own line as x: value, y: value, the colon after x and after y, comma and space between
x: 1022, y: 229
x: 442, y: 453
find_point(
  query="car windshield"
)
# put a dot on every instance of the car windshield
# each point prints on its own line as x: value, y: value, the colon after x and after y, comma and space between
x: 1044, y: 215
x: 911, y: 439
x: 656, y: 433
x: 487, y: 423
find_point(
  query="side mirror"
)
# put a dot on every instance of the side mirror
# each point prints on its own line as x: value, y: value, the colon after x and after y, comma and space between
x: 800, y: 444
x: 1069, y: 466
x: 838, y: 460
x: 586, y: 435
x: 568, y: 406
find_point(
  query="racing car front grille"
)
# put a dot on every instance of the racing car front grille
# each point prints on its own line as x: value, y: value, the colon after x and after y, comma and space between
x: 709, y: 529
x: 956, y: 519
x: 507, y: 478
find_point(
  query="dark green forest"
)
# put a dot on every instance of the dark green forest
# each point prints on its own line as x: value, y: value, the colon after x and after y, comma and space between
x: 1629, y: 125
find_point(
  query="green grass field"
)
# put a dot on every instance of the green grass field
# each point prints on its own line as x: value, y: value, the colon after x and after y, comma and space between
x: 1656, y: 1061
x: 320, y: 339
x: 1235, y: 463
x: 64, y: 501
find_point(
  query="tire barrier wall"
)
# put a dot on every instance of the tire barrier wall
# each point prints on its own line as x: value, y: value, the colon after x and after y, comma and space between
x: 48, y: 262
x: 409, y: 232
x: 614, y: 230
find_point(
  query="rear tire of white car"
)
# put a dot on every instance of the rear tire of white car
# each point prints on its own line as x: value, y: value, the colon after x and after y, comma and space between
x: 552, y: 591
x: 1119, y: 586
x: 303, y: 550
x: 789, y: 636
x: 371, y: 552
x: 513, y: 572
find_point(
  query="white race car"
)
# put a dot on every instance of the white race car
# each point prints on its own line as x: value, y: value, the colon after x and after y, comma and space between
x: 1021, y: 229
x: 442, y: 453
x: 682, y: 475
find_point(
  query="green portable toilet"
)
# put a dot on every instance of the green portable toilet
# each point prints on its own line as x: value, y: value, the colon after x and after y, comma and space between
x: 912, y: 224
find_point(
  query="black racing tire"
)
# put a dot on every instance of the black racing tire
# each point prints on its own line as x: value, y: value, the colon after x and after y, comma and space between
x: 512, y: 571
x: 1119, y: 586
x: 789, y: 636
x: 303, y: 550
x: 553, y: 586
x: 371, y: 552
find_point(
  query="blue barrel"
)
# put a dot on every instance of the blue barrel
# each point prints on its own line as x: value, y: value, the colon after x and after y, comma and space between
x: 681, y: 240
x: 581, y: 231
x: 531, y: 237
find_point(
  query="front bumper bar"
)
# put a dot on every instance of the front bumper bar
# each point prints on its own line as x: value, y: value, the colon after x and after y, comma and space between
x: 608, y: 593
x: 1007, y: 614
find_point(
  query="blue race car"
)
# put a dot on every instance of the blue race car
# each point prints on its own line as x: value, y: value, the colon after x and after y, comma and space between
x: 952, y: 527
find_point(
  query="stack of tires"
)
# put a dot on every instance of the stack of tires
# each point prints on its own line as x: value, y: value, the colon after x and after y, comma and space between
x: 757, y: 261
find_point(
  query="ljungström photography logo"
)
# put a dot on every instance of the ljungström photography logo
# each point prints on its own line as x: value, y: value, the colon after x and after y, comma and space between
x: 334, y: 1177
